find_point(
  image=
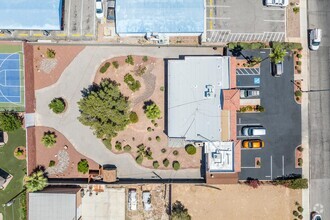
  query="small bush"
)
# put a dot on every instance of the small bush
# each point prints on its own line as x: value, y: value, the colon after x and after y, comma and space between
x: 83, y: 166
x: 139, y: 159
x: 127, y: 148
x: 50, y: 53
x: 299, y: 55
x: 300, y: 217
x: 298, y: 63
x: 51, y: 163
x: 166, y: 162
x: 118, y: 146
x: 300, y: 161
x: 149, y: 138
x: 158, y: 139
x: 156, y: 125
x: 190, y: 149
x: 115, y: 64
x: 49, y: 139
x: 105, y: 67
x: 175, y: 153
x: 296, y: 10
x: 107, y: 143
x: 249, y: 108
x: 298, y: 93
x: 151, y: 110
x: 141, y: 70
x: 129, y: 60
x: 19, y: 152
x: 57, y: 105
x: 149, y: 129
x: 132, y: 84
x: 133, y: 117
x: 295, y: 213
x: 163, y: 150
x: 300, y: 209
x: 145, y: 58
x: 162, y: 88
x: 176, y: 165
x: 254, y: 183
x: 260, y: 108
x: 287, y: 45
x: 155, y: 164
x: 300, y: 148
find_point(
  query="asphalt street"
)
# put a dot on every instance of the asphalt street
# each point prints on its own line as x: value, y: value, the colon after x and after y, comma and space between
x: 319, y: 114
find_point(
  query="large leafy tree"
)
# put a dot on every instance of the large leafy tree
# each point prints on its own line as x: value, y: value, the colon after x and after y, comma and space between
x: 10, y: 121
x: 179, y: 212
x: 278, y: 54
x: 104, y: 109
x: 36, y: 181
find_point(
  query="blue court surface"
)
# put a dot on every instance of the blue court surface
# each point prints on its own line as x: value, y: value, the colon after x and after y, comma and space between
x: 10, y: 84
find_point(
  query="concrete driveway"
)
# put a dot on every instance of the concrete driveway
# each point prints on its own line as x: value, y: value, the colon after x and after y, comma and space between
x: 80, y: 74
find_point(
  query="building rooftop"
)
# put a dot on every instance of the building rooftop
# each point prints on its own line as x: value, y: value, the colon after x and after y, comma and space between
x: 159, y: 16
x: 194, y: 96
x: 220, y: 156
x: 31, y: 15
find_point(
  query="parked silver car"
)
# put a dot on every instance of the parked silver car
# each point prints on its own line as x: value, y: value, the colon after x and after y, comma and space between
x: 276, y: 3
x: 248, y: 93
x: 314, y: 39
x: 277, y: 69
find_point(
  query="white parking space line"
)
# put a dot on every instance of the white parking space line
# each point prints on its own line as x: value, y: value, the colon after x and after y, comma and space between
x: 282, y: 165
x: 249, y: 167
x: 81, y: 18
x: 69, y: 17
x: 274, y: 20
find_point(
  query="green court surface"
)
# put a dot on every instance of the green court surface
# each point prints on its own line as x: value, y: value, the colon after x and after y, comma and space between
x: 12, y: 77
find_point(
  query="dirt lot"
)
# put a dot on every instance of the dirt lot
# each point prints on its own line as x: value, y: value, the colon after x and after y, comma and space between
x: 237, y: 201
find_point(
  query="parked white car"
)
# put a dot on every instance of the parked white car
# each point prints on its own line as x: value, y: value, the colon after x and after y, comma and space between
x: 314, y: 39
x: 132, y: 201
x: 276, y: 3
x: 99, y: 9
x: 248, y: 93
x: 146, y: 198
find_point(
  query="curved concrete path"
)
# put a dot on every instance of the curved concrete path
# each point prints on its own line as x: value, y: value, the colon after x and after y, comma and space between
x: 80, y: 74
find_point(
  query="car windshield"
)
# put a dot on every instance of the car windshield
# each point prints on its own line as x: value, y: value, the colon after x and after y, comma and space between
x: 315, y: 43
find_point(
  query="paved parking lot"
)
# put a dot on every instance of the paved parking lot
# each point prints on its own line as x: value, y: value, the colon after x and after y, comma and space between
x: 282, y: 120
x: 79, y: 23
x: 244, y: 20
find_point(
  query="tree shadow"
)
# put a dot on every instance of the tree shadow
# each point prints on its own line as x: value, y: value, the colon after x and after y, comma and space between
x: 147, y: 103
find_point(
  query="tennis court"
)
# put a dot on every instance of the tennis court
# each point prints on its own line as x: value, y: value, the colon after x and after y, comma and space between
x: 11, y: 78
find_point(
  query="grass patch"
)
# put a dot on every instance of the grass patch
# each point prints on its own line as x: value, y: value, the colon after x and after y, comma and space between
x: 287, y: 45
x: 15, y: 167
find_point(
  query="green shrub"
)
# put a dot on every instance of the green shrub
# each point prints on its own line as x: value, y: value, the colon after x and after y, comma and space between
x: 246, y: 46
x: 57, y: 105
x: 190, y: 149
x: 299, y: 55
x: 287, y: 45
x: 107, y: 143
x: 166, y: 162
x: 139, y: 159
x: 299, y: 63
x: 156, y: 125
x: 300, y: 209
x: 149, y: 129
x: 145, y: 58
x: 49, y: 139
x: 83, y: 166
x: 163, y: 150
x: 149, y: 138
x: 298, y: 93
x: 300, y: 217
x: 260, y: 108
x: 129, y: 60
x: 132, y: 84
x: 176, y: 165
x: 155, y: 164
x: 158, y: 139
x: 141, y: 70
x: 162, y: 88
x: 19, y: 152
x: 175, y: 153
x: 295, y: 213
x: 118, y: 146
x: 249, y: 108
x: 50, y: 53
x: 10, y: 121
x: 105, y: 67
x: 127, y: 148
x: 115, y: 64
x: 300, y: 161
x: 51, y: 163
x: 152, y: 111
x: 296, y: 10
x: 298, y: 183
x: 133, y: 117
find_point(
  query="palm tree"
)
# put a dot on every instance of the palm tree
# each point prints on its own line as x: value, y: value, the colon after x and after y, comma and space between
x: 36, y: 181
x: 49, y: 139
x: 278, y: 54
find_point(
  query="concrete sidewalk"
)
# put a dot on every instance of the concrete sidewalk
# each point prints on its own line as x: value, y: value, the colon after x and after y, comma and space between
x: 80, y: 74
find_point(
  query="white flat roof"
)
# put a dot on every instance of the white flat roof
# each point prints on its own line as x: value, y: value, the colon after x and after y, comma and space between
x: 194, y: 93
x: 220, y: 156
